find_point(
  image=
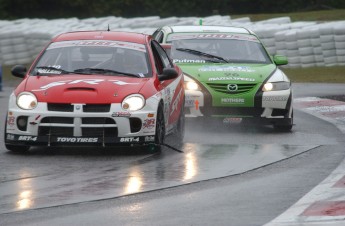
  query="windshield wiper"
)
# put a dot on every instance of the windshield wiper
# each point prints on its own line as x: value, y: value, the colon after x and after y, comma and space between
x: 103, y: 71
x: 199, y: 53
x: 52, y: 70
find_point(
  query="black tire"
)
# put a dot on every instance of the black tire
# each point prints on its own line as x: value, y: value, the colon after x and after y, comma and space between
x: 160, y: 129
x: 180, y: 128
x: 285, y: 128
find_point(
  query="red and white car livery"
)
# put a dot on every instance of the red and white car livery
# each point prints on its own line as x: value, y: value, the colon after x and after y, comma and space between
x: 96, y: 88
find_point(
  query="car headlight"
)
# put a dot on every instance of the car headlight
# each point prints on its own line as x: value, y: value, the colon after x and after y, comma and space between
x: 275, y: 86
x: 191, y: 85
x: 27, y: 101
x: 133, y: 102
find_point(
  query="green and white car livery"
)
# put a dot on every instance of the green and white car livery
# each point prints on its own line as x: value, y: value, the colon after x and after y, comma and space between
x: 229, y: 74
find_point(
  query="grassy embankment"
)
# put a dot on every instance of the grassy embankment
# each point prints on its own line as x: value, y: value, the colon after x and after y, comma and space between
x: 334, y: 74
x: 313, y: 74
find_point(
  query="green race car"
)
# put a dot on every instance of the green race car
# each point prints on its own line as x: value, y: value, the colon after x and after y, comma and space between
x: 230, y: 75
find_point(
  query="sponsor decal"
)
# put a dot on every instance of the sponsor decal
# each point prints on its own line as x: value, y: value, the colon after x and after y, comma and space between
x: 189, y: 103
x: 213, y: 36
x: 149, y: 139
x: 276, y: 98
x: 230, y: 78
x: 232, y: 120
x: 10, y: 137
x: 102, y: 43
x: 208, y: 68
x: 129, y: 139
x: 87, y: 81
x: 189, y: 61
x: 48, y: 71
x: 27, y: 138
x: 121, y: 83
x: 121, y: 114
x: 179, y: 37
x: 150, y: 115
x: 176, y: 101
x: 226, y: 36
x: 232, y: 101
x: 77, y: 139
x: 11, y: 120
x: 196, y: 103
x: 149, y: 123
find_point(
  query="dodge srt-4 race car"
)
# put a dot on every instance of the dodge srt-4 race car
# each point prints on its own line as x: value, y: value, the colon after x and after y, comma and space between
x: 97, y: 88
x: 230, y: 75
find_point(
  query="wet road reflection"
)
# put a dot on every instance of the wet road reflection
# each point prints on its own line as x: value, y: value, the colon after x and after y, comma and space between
x: 135, y: 181
x: 149, y: 172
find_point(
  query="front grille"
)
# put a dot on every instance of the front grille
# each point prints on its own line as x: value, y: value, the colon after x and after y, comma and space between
x: 96, y: 108
x: 98, y: 120
x: 62, y: 120
x: 60, y: 107
x: 223, y: 88
x: 92, y: 108
x: 86, y: 127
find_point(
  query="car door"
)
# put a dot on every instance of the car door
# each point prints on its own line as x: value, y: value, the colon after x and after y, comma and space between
x: 172, y: 90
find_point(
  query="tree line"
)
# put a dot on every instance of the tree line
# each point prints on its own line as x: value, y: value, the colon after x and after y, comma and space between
x: 51, y: 9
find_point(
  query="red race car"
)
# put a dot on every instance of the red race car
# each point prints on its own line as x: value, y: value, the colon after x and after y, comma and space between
x: 96, y: 88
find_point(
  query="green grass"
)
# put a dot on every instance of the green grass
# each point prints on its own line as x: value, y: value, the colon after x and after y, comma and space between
x: 322, y: 15
x: 335, y: 74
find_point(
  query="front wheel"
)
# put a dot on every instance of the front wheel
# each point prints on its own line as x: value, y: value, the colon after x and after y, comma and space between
x: 180, y: 128
x: 160, y: 129
x: 285, y: 127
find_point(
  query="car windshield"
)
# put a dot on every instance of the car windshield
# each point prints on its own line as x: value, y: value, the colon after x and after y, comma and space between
x: 220, y: 48
x: 94, y: 57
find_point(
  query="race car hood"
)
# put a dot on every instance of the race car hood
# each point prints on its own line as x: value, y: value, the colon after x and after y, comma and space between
x: 251, y: 73
x: 82, y: 89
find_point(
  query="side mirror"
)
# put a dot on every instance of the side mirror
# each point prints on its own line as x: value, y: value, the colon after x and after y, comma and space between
x: 19, y: 71
x: 168, y: 73
x: 280, y: 60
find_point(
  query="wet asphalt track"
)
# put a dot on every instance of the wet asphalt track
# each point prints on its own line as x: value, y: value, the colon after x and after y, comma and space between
x: 211, y: 172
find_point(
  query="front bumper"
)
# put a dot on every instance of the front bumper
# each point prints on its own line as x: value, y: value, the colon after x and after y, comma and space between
x: 80, y: 125
x: 274, y: 107
x: 28, y: 140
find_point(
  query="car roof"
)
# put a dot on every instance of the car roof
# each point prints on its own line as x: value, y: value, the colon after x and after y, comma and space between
x: 103, y: 35
x: 207, y: 28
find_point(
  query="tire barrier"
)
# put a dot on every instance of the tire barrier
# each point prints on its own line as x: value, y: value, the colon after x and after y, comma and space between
x: 306, y: 44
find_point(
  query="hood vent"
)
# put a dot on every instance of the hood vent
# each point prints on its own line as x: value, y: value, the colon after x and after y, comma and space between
x: 81, y: 89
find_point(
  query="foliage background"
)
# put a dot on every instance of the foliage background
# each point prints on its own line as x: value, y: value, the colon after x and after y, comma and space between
x: 50, y: 9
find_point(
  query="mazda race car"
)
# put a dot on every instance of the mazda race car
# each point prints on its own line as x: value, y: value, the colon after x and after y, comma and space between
x: 96, y: 88
x: 230, y: 75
